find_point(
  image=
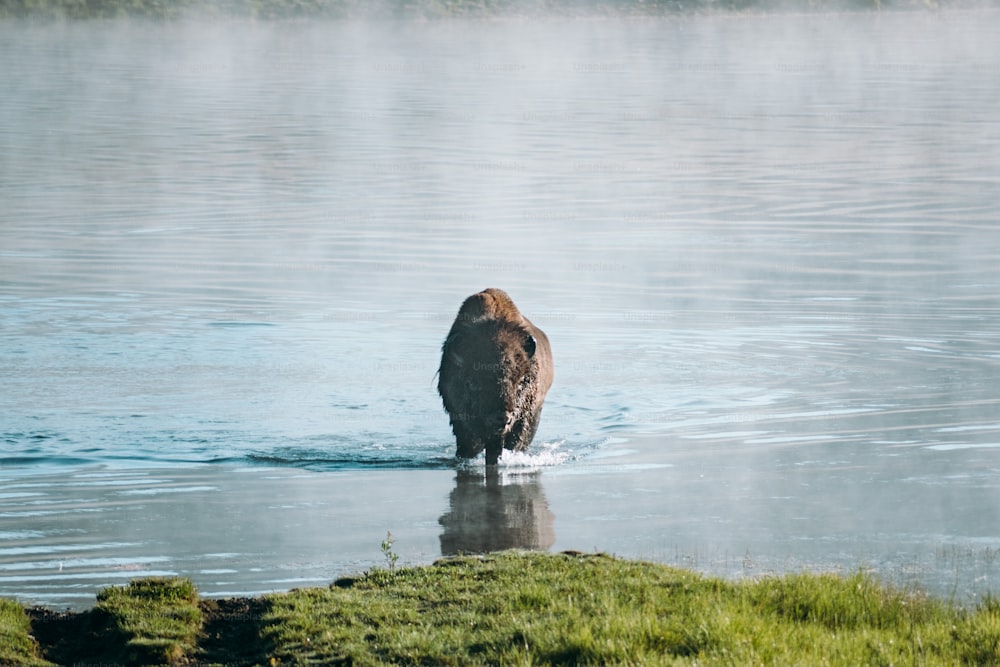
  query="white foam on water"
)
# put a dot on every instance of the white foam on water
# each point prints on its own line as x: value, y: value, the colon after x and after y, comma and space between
x: 539, y: 455
x: 538, y: 460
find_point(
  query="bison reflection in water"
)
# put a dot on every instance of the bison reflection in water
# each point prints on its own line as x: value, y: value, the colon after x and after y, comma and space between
x: 496, y: 513
x: 496, y: 367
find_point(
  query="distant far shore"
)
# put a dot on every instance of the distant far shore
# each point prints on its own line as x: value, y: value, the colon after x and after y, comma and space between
x: 428, y: 9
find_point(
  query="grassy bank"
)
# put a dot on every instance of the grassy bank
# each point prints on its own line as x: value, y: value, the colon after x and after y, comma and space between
x: 272, y: 9
x: 519, y: 609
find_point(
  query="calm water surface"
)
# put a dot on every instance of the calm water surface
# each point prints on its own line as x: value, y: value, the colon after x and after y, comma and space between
x: 769, y: 269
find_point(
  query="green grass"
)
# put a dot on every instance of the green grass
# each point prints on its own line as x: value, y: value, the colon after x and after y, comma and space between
x: 158, y: 620
x: 17, y: 648
x: 516, y: 608
x: 529, y: 609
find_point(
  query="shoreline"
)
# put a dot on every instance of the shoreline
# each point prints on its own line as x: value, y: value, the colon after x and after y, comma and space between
x: 436, y: 513
x: 510, y: 607
x: 428, y: 10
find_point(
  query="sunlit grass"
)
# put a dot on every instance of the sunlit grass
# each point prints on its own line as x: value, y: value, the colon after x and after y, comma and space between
x: 521, y: 608
x: 17, y: 649
x: 518, y: 608
x: 157, y: 620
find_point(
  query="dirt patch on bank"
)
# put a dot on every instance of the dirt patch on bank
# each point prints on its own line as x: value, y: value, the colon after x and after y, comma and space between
x: 231, y: 631
x: 230, y: 634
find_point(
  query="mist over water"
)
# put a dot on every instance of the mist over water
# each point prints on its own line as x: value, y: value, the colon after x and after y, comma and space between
x: 229, y: 254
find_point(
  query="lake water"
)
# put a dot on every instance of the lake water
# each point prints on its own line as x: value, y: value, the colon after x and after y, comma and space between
x: 766, y: 251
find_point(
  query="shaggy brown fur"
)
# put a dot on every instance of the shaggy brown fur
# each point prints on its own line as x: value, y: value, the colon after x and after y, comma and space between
x: 496, y: 367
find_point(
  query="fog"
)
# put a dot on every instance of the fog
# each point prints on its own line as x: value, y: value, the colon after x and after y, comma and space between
x: 762, y: 245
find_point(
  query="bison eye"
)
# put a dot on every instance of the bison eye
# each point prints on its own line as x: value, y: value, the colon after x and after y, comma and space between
x: 529, y: 345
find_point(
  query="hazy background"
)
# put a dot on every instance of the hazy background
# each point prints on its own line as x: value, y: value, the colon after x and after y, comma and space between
x: 764, y: 249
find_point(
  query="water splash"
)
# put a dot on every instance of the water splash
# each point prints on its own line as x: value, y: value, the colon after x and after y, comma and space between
x: 545, y: 454
x: 542, y: 455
